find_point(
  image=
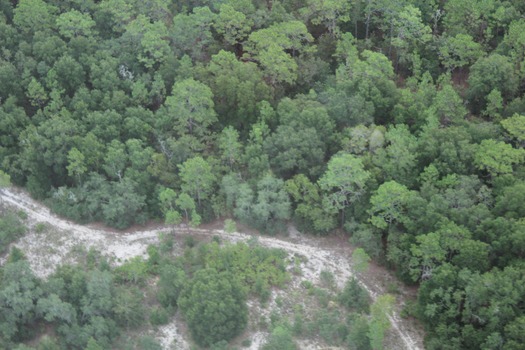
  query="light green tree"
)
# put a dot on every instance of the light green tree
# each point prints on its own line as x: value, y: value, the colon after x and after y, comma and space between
x: 272, y: 205
x: 515, y: 127
x: 197, y: 178
x: 360, y: 260
x: 31, y: 16
x: 167, y: 199
x: 191, y: 33
x: 270, y: 47
x: 388, y: 204
x: 36, y: 93
x: 189, y: 109
x: 74, y: 23
x: 343, y: 182
x: 329, y: 13
x: 5, y: 180
x: 497, y: 157
x: 150, y: 39
x: 459, y: 51
x: 233, y: 25
x: 381, y: 310
x: 77, y: 164
x: 398, y: 159
x: 231, y: 148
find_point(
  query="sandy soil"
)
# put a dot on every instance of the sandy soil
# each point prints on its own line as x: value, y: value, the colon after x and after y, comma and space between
x: 57, y: 244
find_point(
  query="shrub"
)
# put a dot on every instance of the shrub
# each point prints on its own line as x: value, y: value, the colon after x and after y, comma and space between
x: 354, y: 297
x: 159, y: 316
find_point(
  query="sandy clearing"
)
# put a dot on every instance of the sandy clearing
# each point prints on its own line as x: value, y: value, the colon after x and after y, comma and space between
x: 46, y: 251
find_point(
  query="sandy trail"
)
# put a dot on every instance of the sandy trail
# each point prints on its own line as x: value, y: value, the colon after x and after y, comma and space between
x: 45, y: 253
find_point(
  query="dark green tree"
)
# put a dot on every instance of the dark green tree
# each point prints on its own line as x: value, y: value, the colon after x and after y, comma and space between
x: 214, y: 305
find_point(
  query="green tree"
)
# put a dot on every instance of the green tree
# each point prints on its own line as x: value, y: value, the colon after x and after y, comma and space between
x: 301, y: 140
x: 448, y: 106
x: 381, y: 311
x: 214, y: 305
x: 494, y: 105
x: 343, y: 182
x: 172, y: 280
x: 514, y: 44
x: 370, y: 76
x: 354, y: 297
x: 19, y: 292
x: 36, y: 93
x: 360, y: 260
x: 98, y: 298
x: 187, y: 206
x: 53, y: 309
x: 149, y: 39
x: 269, y: 47
x: 328, y: 13
x: 5, y: 180
x: 470, y: 18
x: 459, y: 51
x: 74, y: 23
x: 191, y: 33
x: 128, y: 306
x: 409, y: 32
x: 230, y: 147
x: 388, y: 204
x: 309, y: 214
x: 358, y: 334
x: 514, y: 333
x: 280, y: 339
x: 189, y: 109
x: 497, y: 157
x: 93, y: 345
x: 272, y: 205
x: 167, y: 199
x: 77, y: 164
x: 197, y: 178
x: 238, y: 87
x: 515, y: 127
x: 398, y: 159
x: 233, y: 25
x: 492, y: 72
x: 31, y: 16
x: 123, y: 205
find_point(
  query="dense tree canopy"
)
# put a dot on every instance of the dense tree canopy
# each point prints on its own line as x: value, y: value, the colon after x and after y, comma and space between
x: 398, y: 122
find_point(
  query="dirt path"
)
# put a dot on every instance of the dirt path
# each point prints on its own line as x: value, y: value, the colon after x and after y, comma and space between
x: 45, y: 250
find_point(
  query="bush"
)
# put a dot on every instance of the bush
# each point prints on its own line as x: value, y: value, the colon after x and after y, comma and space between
x: 135, y: 271
x: 41, y: 227
x: 328, y: 325
x: 354, y: 297
x: 230, y: 226
x: 148, y: 343
x: 159, y: 316
x: 280, y: 339
x: 327, y: 279
x: 257, y: 268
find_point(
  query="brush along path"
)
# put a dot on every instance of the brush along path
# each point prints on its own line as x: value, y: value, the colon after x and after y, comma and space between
x: 48, y: 249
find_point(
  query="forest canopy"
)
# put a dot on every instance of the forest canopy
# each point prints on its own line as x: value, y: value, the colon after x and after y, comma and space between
x: 398, y: 122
